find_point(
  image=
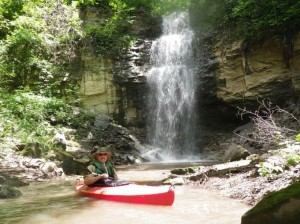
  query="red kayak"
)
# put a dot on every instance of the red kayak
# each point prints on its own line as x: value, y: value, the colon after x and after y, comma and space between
x: 131, y: 193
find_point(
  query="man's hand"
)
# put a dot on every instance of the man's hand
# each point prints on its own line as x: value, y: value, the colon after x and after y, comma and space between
x: 104, y: 176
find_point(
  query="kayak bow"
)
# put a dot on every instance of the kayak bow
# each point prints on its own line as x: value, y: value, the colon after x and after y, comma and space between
x: 131, y: 193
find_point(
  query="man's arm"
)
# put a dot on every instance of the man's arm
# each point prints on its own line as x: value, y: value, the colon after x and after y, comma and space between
x: 92, y: 178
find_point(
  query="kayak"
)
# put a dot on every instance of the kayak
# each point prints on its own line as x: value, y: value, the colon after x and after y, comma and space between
x: 131, y: 193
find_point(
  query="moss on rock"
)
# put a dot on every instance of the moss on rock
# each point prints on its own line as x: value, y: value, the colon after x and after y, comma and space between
x: 277, y: 207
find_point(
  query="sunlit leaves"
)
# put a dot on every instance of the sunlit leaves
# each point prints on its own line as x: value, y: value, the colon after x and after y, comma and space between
x: 39, y: 44
x: 257, y: 20
x: 252, y: 20
x: 164, y: 7
x: 34, y: 118
x: 110, y: 37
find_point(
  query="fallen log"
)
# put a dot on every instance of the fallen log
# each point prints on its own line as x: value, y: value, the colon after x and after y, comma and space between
x: 221, y: 170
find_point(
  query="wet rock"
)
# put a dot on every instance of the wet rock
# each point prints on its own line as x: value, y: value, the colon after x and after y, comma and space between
x: 33, y: 163
x: 282, y: 207
x: 234, y: 152
x: 174, y: 181
x: 255, y: 158
x: 183, y: 171
x: 48, y: 167
x: 7, y: 178
x: 9, y: 192
x: 32, y: 149
x: 69, y: 164
x: 102, y: 121
x: 130, y: 159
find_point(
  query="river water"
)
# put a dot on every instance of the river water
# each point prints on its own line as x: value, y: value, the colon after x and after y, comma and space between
x: 56, y: 202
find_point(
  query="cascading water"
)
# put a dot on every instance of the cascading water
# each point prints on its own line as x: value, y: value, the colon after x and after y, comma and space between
x: 171, y: 102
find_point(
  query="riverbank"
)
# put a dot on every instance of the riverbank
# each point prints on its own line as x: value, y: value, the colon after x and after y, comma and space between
x: 246, y: 186
x: 246, y: 180
x: 236, y: 180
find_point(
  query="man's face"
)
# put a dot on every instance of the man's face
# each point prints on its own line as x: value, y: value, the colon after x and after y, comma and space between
x: 102, y: 157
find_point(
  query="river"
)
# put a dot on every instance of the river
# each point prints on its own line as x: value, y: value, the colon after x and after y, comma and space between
x: 56, y: 202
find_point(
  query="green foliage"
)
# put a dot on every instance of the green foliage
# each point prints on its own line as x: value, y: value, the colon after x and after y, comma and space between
x: 269, y: 169
x: 110, y: 37
x: 164, y: 7
x: 274, y: 199
x: 18, y: 53
x: 113, y: 35
x: 34, y: 118
x: 293, y: 160
x: 39, y: 47
x: 106, y: 41
x: 10, y: 9
x: 279, y: 160
x: 160, y: 7
x: 145, y: 4
x: 80, y: 2
x: 252, y: 20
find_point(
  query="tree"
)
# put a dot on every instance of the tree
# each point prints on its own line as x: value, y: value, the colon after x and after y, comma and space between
x: 39, y: 46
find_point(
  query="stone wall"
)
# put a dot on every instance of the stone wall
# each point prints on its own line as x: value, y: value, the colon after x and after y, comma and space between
x: 117, y: 86
x: 97, y: 87
x: 261, y: 72
x: 228, y: 76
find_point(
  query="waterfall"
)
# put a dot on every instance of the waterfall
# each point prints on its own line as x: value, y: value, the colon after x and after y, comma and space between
x: 171, y: 101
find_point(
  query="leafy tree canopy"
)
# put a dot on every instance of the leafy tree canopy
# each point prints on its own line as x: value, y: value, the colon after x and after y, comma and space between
x: 39, y: 42
x: 39, y: 38
x: 252, y: 20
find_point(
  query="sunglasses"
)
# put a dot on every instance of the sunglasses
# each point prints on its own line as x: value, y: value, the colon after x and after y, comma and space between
x: 102, y: 154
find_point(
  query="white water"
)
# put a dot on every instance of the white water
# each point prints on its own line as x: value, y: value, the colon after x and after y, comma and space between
x: 172, y: 118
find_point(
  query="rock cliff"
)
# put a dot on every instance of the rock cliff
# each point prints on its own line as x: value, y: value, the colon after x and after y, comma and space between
x: 260, y: 72
x: 229, y: 74
x: 116, y: 86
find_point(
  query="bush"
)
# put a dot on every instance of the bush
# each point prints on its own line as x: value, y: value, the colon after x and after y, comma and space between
x: 34, y: 119
x: 39, y: 45
x: 271, y: 124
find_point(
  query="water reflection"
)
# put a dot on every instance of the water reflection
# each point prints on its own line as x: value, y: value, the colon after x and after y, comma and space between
x: 58, y: 203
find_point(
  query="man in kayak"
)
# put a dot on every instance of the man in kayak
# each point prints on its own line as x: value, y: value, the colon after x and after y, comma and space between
x: 102, y: 169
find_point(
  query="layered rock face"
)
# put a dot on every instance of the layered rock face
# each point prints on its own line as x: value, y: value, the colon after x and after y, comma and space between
x: 117, y: 86
x: 232, y: 77
x: 229, y: 75
x: 259, y: 73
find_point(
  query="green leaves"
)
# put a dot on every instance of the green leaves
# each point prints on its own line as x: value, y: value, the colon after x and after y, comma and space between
x: 110, y: 37
x: 253, y: 20
x: 163, y: 7
x: 34, y: 118
x: 269, y: 168
x: 39, y: 45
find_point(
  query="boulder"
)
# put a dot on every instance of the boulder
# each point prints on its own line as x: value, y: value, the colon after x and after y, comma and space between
x: 281, y: 207
x: 33, y: 150
x: 234, y: 152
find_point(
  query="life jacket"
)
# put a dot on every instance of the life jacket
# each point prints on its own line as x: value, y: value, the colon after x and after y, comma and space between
x: 108, y: 168
x: 104, y: 168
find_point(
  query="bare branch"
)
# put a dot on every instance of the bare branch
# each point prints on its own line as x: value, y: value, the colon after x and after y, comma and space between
x: 270, y: 124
